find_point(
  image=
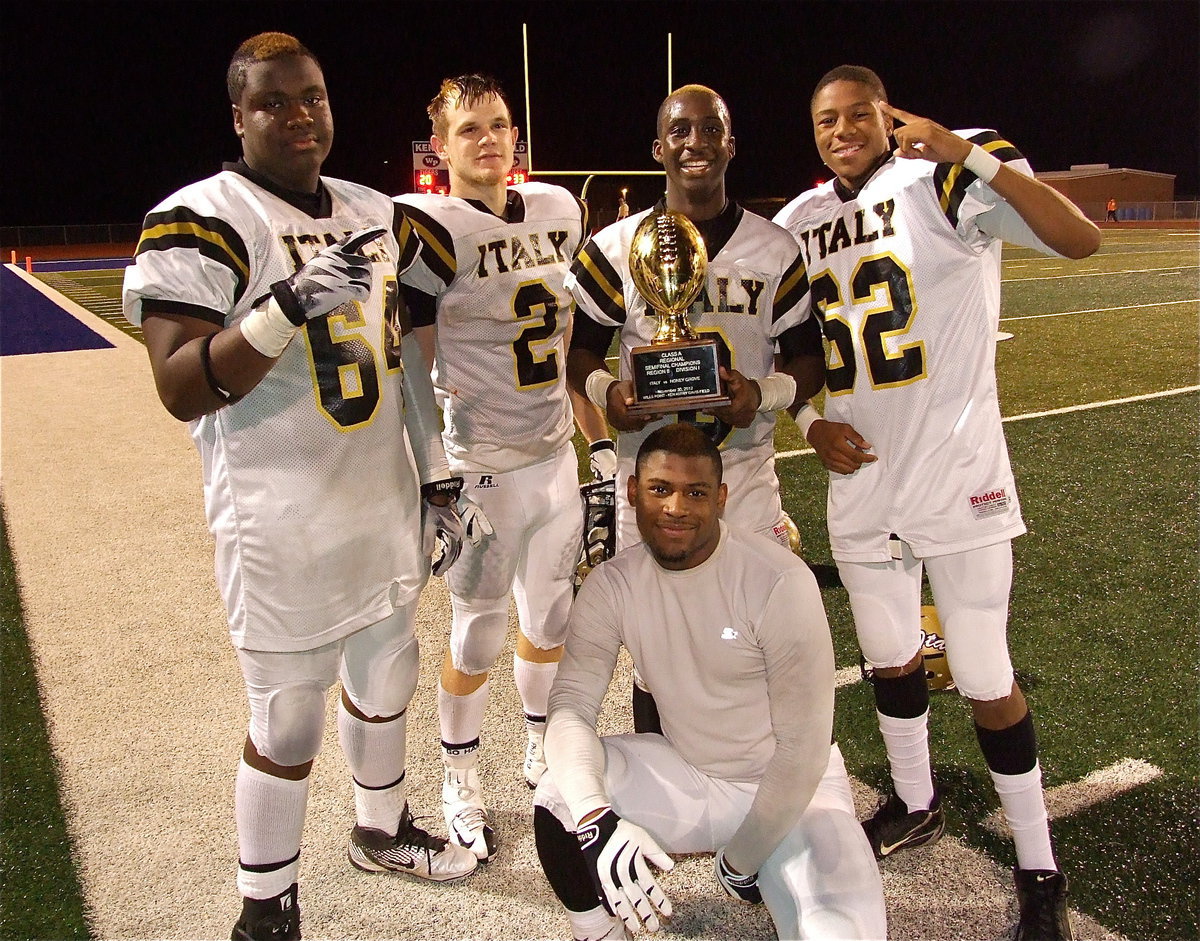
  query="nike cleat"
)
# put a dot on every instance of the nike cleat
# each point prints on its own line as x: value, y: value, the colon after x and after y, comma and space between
x: 1042, y: 898
x: 466, y: 817
x: 411, y: 851
x: 893, y: 828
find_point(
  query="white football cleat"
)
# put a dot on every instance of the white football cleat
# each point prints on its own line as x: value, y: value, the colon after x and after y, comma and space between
x: 466, y: 816
x: 535, y: 756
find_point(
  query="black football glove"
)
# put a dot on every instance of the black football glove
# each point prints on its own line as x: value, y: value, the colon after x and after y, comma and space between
x: 618, y: 853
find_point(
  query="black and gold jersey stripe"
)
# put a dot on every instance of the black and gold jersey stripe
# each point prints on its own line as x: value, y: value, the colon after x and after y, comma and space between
x: 406, y: 237
x: 950, y: 180
x: 180, y: 227
x: 599, y: 279
x: 583, y: 223
x: 438, y: 250
x: 792, y: 288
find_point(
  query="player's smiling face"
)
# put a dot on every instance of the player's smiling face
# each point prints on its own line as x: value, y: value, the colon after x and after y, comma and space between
x: 850, y: 129
x: 284, y: 121
x: 678, y: 503
x: 478, y: 145
x: 694, y: 143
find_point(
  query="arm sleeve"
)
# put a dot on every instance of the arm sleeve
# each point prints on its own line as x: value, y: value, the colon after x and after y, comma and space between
x: 799, y: 658
x: 574, y: 753
x: 421, y: 420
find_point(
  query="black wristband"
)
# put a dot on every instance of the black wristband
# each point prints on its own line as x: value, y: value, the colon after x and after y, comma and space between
x: 206, y: 362
x: 452, y: 486
x: 286, y: 298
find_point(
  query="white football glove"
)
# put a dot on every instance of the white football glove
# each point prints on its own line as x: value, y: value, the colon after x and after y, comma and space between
x: 618, y: 853
x: 742, y: 888
x: 443, y: 528
x: 603, y: 460
x: 333, y: 276
x: 475, y: 523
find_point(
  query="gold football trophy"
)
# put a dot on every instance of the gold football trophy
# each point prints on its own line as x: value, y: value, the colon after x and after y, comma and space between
x: 679, y: 370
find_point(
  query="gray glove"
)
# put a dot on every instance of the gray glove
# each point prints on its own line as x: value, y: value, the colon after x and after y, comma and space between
x: 332, y: 277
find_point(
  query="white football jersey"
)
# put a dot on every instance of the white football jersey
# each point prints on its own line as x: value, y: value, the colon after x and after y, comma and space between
x: 755, y: 289
x: 907, y: 280
x: 310, y: 490
x: 502, y: 314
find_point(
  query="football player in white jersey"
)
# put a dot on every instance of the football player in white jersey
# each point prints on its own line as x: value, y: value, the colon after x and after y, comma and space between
x: 903, y: 252
x: 755, y: 302
x: 491, y: 312
x: 732, y: 623
x: 276, y: 335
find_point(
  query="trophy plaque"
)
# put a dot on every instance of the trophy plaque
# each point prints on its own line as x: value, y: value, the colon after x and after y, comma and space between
x: 678, y: 371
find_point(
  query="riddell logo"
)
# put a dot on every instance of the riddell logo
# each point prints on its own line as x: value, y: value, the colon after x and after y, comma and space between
x: 989, y: 503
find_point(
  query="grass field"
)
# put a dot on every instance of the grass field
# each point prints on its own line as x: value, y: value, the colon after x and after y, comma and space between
x: 1103, y: 624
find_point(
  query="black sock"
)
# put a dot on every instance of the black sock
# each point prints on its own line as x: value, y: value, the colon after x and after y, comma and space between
x: 902, y: 697
x: 645, y: 711
x: 1012, y: 750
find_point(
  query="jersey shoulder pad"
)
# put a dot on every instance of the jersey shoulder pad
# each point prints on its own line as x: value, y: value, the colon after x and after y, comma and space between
x: 431, y: 217
x: 212, y: 217
x: 951, y: 180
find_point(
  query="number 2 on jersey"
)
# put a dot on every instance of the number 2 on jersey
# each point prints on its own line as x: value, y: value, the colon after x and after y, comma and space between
x: 536, y: 307
x: 885, y: 280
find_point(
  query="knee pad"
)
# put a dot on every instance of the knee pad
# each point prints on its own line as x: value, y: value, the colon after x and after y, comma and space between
x: 885, y: 600
x: 290, y: 731
x: 886, y: 636
x: 477, y: 633
x: 977, y: 651
x: 383, y: 685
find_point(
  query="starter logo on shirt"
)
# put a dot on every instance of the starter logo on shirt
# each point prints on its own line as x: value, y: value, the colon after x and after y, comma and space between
x: 729, y: 634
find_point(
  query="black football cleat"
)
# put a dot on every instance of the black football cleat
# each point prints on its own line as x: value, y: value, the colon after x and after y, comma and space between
x: 1042, y: 899
x: 273, y: 919
x: 893, y: 828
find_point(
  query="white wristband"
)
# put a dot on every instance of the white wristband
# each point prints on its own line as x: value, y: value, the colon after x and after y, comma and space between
x: 597, y: 385
x: 268, y: 329
x: 982, y: 164
x: 778, y: 391
x: 805, y: 417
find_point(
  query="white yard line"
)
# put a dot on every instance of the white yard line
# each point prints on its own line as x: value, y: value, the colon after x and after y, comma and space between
x: 780, y: 455
x: 1099, y: 786
x: 1100, y: 274
x: 1102, y: 310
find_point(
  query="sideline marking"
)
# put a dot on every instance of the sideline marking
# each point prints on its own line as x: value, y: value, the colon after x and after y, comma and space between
x: 1103, y: 310
x: 1086, y: 406
x: 1095, y: 788
x: 845, y: 676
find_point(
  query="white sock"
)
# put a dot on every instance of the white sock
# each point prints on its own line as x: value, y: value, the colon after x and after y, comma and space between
x: 1025, y: 809
x: 270, y: 818
x: 591, y: 925
x: 907, y: 743
x: 533, y: 684
x: 375, y: 752
x: 461, y: 717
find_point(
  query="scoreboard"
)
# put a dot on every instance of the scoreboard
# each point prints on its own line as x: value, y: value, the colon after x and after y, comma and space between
x: 431, y: 174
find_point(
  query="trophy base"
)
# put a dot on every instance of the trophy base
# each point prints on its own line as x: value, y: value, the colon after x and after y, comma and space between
x: 669, y: 406
x: 677, y: 376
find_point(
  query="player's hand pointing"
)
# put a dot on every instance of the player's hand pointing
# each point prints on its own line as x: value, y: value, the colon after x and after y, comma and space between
x: 925, y: 139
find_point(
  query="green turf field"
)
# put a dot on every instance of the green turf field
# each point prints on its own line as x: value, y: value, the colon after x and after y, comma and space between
x: 1103, y: 623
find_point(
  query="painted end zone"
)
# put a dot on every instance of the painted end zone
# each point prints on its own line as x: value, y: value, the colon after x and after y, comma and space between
x: 32, y: 323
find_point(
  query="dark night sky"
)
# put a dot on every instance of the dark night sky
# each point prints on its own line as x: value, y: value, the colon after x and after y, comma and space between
x: 108, y: 107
